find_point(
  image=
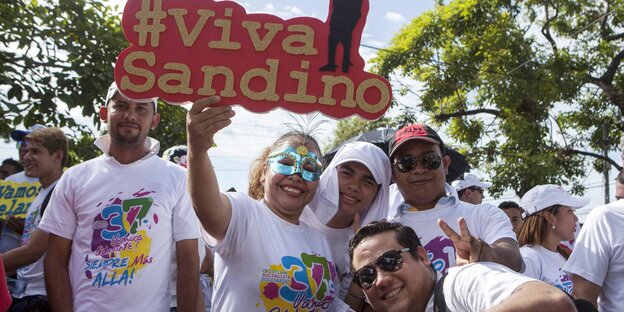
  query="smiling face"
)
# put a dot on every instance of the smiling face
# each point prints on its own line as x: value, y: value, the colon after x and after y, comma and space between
x: 287, y: 195
x: 357, y: 187
x: 41, y: 163
x: 128, y: 121
x: 421, y: 187
x: 407, y: 289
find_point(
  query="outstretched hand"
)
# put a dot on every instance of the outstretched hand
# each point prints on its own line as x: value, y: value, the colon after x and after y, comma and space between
x: 203, y: 121
x: 468, y: 249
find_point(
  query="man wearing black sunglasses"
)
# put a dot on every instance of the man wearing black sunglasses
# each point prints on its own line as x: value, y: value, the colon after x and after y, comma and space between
x: 422, y: 199
x: 392, y: 267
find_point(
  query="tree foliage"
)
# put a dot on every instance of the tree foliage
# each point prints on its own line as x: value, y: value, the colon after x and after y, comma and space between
x: 59, y: 55
x: 524, y: 86
x: 53, y: 52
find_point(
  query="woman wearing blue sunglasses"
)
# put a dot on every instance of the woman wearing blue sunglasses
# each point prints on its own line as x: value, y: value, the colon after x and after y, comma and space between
x: 266, y: 259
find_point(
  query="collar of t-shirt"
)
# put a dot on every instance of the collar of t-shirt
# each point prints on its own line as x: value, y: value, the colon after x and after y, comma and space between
x: 449, y: 199
x: 151, y: 144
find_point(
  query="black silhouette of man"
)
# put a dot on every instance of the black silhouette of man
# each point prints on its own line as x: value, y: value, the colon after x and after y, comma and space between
x: 344, y: 17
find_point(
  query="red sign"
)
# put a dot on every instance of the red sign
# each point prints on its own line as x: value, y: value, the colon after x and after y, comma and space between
x: 184, y: 50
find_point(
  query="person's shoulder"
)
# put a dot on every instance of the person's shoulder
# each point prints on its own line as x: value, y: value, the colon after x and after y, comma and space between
x: 85, y: 165
x: 468, y: 209
x: 529, y: 250
x: 21, y: 177
x: 605, y: 212
x: 169, y: 167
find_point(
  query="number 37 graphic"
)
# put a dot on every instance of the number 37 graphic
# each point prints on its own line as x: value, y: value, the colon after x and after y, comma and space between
x: 125, y: 218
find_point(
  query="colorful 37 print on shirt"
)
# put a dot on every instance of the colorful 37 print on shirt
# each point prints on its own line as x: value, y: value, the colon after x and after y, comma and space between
x: 120, y: 242
x: 298, y: 284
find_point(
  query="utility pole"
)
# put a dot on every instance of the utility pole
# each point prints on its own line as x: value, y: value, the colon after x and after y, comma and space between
x: 607, y: 166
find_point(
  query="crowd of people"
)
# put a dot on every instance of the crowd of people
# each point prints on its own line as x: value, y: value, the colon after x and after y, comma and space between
x: 369, y: 231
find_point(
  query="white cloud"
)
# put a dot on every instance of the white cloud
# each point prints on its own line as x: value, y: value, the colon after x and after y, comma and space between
x: 285, y: 12
x: 394, y: 17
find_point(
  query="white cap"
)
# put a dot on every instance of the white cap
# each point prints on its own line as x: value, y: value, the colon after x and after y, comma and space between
x: 544, y: 196
x: 469, y: 180
x: 112, y: 90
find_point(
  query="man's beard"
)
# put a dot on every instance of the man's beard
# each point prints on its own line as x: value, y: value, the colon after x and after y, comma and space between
x: 125, y: 139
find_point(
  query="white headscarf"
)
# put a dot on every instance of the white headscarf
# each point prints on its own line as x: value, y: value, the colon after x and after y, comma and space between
x: 325, y: 203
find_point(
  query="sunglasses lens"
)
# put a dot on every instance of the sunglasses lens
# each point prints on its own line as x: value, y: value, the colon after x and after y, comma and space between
x: 408, y: 163
x: 390, y: 261
x: 431, y: 161
x: 405, y: 164
x: 366, y: 276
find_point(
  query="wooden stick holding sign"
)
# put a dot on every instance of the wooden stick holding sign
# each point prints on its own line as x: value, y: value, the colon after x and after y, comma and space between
x: 184, y: 50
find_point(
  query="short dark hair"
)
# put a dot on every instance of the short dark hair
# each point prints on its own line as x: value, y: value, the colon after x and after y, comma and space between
x: 404, y: 235
x: 14, y: 163
x: 508, y: 205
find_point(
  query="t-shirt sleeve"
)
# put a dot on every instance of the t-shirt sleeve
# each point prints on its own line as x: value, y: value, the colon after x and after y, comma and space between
x: 59, y: 217
x: 494, y: 224
x: 480, y: 286
x: 184, y: 219
x: 532, y: 265
x: 236, y: 234
x: 593, y: 249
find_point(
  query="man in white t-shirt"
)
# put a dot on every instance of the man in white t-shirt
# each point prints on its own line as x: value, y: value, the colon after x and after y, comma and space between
x: 45, y: 158
x: 396, y: 274
x: 114, y: 220
x: 597, y: 263
x: 470, y: 189
x: 422, y: 199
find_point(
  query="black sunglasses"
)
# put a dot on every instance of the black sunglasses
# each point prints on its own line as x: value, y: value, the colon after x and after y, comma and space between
x: 389, y: 261
x: 408, y: 163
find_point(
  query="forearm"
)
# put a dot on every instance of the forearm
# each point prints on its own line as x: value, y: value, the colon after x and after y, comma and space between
x: 19, y: 257
x: 205, y: 194
x: 187, y: 285
x: 536, y: 296
x: 504, y: 251
x: 27, y: 254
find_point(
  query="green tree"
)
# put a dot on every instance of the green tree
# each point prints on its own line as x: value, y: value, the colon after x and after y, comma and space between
x: 64, y: 51
x: 53, y: 52
x: 524, y: 86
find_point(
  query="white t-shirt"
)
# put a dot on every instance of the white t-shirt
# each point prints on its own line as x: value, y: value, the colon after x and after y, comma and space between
x: 265, y: 263
x: 123, y: 221
x: 484, y: 221
x: 32, y: 274
x: 547, y: 266
x: 599, y: 254
x: 480, y: 286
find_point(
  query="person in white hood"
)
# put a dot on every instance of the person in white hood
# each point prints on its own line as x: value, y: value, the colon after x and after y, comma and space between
x: 352, y: 191
x: 356, y: 181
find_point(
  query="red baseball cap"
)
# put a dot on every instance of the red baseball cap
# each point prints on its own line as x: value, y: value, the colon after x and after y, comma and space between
x: 415, y: 132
